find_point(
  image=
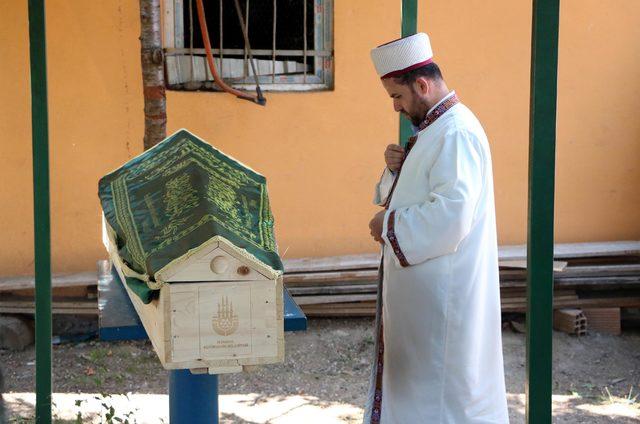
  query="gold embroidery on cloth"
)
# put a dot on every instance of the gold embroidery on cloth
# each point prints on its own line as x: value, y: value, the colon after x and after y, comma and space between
x: 224, y: 190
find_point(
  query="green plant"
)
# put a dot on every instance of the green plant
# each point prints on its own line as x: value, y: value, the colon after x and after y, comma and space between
x: 110, y: 414
x: 629, y: 399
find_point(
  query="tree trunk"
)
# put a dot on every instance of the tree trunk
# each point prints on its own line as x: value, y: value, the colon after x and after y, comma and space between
x: 155, y: 101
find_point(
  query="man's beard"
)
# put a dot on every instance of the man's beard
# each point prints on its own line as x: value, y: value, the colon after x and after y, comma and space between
x: 416, y: 120
x: 418, y: 111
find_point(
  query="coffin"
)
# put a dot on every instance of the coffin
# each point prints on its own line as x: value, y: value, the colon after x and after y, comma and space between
x: 190, y: 231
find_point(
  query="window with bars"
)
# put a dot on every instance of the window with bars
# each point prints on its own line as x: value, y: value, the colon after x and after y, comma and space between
x: 291, y: 44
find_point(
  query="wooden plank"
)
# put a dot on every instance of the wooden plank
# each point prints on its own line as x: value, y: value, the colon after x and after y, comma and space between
x: 152, y: 318
x: 557, y: 299
x: 347, y: 313
x: 612, y: 282
x: 336, y: 276
x: 601, y: 270
x: 54, y: 310
x: 173, y: 70
x: 178, y: 27
x: 66, y: 304
x: 630, y: 276
x: 621, y: 302
x: 328, y: 290
x: 179, y: 69
x: 332, y: 263
x: 597, y: 281
x: 558, y: 266
x: 591, y: 282
x: 522, y: 293
x: 513, y: 254
x: 311, y: 283
x: 594, y: 249
x: 368, y: 308
x: 73, y: 291
x: 184, y: 69
x: 256, y: 52
x: 82, y: 279
x: 576, y: 250
x: 337, y: 306
x: 185, y: 344
x: 169, y: 24
x: 314, y: 300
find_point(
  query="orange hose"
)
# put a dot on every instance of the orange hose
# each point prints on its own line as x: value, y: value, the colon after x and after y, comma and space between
x: 212, y: 66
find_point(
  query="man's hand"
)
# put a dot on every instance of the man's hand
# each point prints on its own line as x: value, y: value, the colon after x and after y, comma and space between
x: 393, y: 156
x: 375, y: 226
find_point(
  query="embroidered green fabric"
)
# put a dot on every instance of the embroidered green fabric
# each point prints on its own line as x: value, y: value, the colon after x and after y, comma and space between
x: 176, y: 196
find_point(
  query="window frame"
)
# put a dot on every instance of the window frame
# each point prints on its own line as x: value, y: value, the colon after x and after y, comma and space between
x: 179, y: 58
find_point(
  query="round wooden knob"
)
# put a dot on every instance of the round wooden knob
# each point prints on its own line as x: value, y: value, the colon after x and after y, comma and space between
x: 219, y: 264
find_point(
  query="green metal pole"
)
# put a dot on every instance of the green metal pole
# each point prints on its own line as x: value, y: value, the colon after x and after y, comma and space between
x: 409, y: 26
x: 542, y: 143
x: 42, y: 245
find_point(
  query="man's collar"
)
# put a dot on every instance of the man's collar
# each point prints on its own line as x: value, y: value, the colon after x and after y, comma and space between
x: 415, y: 129
x: 451, y: 93
x: 438, y: 110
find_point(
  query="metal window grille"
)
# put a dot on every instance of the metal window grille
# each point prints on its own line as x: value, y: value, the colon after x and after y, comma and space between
x: 291, y: 40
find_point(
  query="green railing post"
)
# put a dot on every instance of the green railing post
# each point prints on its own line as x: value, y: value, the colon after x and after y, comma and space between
x: 409, y: 26
x: 542, y: 141
x: 42, y: 245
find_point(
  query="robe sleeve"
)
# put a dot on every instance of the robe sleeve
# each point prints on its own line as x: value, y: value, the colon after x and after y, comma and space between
x: 383, y: 188
x: 437, y: 226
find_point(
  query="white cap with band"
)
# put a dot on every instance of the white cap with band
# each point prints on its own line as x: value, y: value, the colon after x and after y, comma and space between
x: 403, y: 55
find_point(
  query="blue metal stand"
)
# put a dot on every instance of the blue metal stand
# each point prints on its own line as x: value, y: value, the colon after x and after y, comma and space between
x: 118, y: 318
x: 193, y: 398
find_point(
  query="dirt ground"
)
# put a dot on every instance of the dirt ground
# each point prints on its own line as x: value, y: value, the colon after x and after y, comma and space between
x: 324, y: 379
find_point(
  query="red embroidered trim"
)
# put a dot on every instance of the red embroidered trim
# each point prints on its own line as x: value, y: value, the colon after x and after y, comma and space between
x: 405, y: 70
x: 376, y: 408
x: 393, y: 187
x: 410, y: 144
x: 438, y: 111
x: 391, y: 235
x: 428, y: 120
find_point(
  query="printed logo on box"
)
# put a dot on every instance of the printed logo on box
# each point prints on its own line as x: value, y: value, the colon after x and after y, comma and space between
x: 226, y: 322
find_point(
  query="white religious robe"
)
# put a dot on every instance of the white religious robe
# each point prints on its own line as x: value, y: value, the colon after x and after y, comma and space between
x: 440, y: 299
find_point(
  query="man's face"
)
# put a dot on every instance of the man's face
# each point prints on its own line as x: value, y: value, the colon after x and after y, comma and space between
x: 406, y: 100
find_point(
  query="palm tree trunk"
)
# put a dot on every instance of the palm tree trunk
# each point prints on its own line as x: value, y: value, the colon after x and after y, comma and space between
x: 155, y: 101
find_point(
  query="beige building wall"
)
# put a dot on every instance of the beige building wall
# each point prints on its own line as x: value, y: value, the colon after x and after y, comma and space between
x: 322, y: 152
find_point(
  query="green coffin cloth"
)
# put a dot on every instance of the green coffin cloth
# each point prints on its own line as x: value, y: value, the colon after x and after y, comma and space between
x: 176, y: 196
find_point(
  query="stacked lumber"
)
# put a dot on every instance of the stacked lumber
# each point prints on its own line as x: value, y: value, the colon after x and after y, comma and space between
x: 71, y: 294
x: 586, y: 275
x: 339, y: 286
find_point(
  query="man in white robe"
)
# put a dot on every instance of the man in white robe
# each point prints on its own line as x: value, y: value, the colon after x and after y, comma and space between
x: 439, y: 349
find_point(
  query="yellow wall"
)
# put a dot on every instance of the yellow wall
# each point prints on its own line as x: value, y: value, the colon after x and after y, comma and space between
x: 322, y: 152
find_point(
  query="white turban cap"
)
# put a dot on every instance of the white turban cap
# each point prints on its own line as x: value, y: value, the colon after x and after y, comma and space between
x: 403, y: 55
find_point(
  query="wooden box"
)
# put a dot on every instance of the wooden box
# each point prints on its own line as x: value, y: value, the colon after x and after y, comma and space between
x: 195, y: 224
x: 218, y: 312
